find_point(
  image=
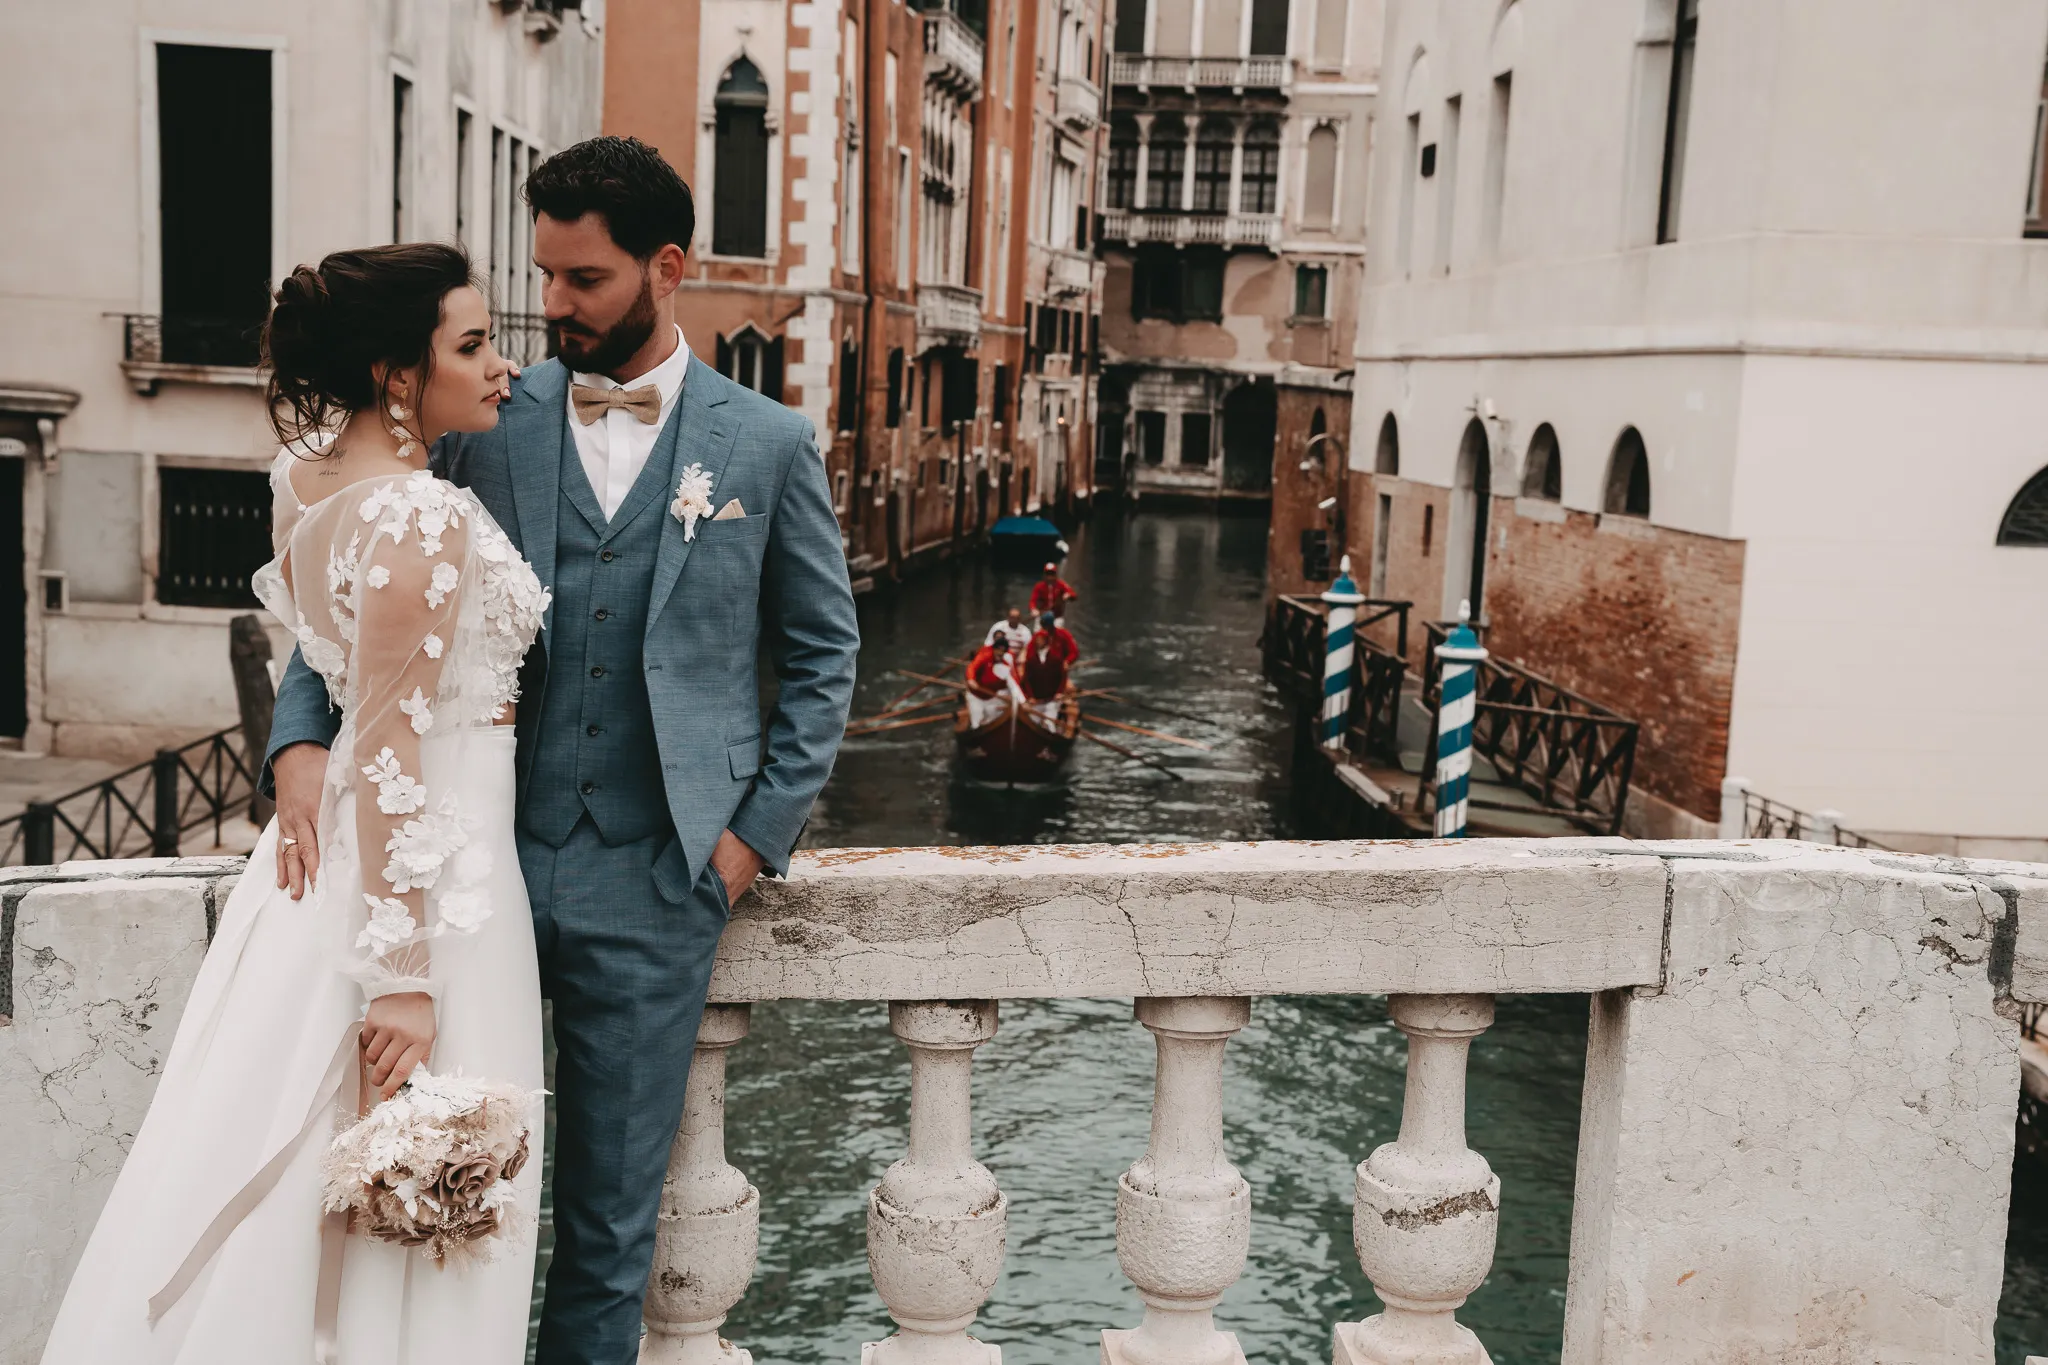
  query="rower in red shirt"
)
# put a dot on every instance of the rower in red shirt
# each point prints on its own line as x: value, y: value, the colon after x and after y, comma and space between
x: 1051, y: 593
x: 1047, y: 658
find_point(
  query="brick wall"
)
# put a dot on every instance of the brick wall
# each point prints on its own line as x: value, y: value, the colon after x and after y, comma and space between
x: 1295, y: 494
x: 1641, y: 618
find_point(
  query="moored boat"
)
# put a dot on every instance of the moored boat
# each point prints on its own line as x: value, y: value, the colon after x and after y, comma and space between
x: 1019, y: 744
x: 1024, y: 543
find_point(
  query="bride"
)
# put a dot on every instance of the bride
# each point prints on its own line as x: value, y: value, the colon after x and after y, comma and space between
x: 409, y: 600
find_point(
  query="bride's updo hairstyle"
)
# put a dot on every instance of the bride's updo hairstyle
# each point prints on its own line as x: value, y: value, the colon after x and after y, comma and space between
x: 331, y: 324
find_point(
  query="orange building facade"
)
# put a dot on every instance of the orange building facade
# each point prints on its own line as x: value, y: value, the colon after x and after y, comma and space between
x: 893, y: 212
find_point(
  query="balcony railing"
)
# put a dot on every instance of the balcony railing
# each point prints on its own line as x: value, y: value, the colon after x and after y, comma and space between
x: 202, y: 350
x: 522, y: 338
x: 1193, y: 229
x: 1147, y: 70
x: 948, y: 311
x: 1078, y: 102
x: 953, y: 54
x: 1070, y: 272
x: 1799, y: 1073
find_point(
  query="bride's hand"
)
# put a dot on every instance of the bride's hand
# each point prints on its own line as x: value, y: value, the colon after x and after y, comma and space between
x: 398, y: 1035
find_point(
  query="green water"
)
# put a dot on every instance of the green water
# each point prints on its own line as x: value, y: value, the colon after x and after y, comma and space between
x: 819, y: 1093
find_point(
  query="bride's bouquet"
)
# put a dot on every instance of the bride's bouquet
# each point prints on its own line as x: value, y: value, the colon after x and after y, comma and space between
x: 432, y: 1167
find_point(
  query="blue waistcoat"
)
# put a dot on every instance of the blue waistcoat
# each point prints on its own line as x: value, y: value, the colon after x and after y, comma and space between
x: 594, y: 749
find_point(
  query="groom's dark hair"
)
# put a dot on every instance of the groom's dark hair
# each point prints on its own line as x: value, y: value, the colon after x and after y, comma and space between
x: 645, y: 203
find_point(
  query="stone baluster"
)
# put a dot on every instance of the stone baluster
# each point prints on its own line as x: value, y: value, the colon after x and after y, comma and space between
x: 935, y: 1222
x: 1428, y: 1206
x: 710, y: 1226
x: 1183, y: 1213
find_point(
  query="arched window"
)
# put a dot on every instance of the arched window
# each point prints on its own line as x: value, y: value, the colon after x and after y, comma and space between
x: 1471, y: 506
x: 1123, y: 163
x: 1319, y: 208
x: 1386, y: 457
x: 1166, y: 156
x: 1261, y: 178
x: 1212, y: 166
x: 1628, y: 476
x: 2026, y: 519
x: 739, y: 193
x: 1542, y: 471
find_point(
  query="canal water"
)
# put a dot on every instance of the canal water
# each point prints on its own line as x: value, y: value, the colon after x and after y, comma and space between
x: 818, y: 1100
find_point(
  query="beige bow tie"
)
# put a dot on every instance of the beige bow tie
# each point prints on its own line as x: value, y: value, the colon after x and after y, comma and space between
x: 591, y: 404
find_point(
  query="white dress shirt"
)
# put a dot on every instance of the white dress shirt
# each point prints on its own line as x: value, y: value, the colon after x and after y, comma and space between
x: 614, y: 449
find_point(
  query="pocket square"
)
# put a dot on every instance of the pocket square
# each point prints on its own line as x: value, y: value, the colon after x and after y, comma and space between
x: 732, y: 511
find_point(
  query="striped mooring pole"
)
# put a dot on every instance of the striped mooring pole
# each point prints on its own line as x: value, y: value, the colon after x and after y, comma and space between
x: 1343, y: 598
x: 1460, y: 656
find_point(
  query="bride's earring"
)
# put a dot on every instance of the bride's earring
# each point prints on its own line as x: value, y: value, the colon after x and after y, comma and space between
x: 399, y: 413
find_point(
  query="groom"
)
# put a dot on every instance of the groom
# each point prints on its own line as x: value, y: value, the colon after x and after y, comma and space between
x: 648, y: 800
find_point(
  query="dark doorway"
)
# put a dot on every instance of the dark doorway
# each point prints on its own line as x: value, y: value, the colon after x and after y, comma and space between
x: 1471, y: 506
x: 1250, y: 418
x: 213, y: 176
x: 13, y: 606
x: 895, y: 520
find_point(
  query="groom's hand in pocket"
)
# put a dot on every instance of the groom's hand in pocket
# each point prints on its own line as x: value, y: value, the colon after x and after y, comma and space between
x: 736, y: 865
x: 298, y: 770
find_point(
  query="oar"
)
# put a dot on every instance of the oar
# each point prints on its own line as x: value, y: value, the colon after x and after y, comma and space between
x: 1131, y: 753
x: 894, y: 712
x: 1110, y: 694
x: 928, y: 680
x: 1149, y: 734
x: 950, y: 664
x: 858, y: 732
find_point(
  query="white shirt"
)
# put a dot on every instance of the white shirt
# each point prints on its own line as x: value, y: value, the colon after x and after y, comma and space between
x: 614, y: 449
x: 1019, y: 635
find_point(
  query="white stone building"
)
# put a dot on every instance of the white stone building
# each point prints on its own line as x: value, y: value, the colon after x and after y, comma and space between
x: 171, y: 159
x: 1723, y: 321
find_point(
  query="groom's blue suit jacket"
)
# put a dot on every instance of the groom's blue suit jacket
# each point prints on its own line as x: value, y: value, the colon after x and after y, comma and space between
x: 775, y: 578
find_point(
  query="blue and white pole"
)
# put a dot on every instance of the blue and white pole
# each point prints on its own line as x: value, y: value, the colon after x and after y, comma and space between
x: 1343, y: 598
x: 1460, y: 656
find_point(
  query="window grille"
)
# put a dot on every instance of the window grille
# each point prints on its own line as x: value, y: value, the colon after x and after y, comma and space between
x: 215, y: 533
x: 2026, y: 519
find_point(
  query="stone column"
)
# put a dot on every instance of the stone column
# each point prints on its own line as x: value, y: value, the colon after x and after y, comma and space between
x: 1428, y: 1206
x: 1183, y: 1213
x: 935, y: 1222
x: 710, y: 1224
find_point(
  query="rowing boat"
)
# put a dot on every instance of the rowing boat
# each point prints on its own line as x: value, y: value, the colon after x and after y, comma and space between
x: 1019, y: 744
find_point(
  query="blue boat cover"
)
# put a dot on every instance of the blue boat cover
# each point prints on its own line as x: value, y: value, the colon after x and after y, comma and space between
x: 1024, y: 526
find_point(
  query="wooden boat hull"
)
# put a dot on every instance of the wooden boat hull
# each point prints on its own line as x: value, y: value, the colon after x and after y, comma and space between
x: 1018, y: 746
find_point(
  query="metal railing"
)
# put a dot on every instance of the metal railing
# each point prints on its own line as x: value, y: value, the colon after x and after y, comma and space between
x: 1199, y: 73
x: 143, y: 811
x: 1293, y: 648
x: 1763, y: 818
x: 522, y: 338
x: 1181, y: 228
x: 1568, y: 751
x: 156, y: 339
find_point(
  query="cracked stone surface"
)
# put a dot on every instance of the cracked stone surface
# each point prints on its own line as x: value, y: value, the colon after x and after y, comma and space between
x: 1800, y: 1149
x: 101, y: 971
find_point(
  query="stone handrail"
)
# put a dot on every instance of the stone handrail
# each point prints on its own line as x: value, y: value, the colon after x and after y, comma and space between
x: 1798, y: 1108
x: 1149, y: 69
x: 1186, y: 228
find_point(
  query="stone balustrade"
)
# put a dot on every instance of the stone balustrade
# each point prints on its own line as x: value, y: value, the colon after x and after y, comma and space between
x: 1797, y: 1120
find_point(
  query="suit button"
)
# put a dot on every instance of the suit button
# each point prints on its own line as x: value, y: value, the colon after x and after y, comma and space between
x: 593, y: 729
x: 597, y: 672
x: 605, y: 555
x: 602, y: 613
x: 588, y: 787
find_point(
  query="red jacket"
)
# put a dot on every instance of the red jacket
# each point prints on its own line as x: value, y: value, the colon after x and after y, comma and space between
x: 1051, y: 594
x: 982, y: 675
x: 1063, y: 641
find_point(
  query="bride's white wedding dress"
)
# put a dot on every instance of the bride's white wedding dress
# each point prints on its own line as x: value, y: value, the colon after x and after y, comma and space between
x: 416, y: 609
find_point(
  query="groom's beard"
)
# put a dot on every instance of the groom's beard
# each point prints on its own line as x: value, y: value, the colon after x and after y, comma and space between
x: 601, y: 353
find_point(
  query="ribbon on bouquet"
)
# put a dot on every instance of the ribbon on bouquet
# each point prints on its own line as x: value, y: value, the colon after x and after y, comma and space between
x: 333, y: 1226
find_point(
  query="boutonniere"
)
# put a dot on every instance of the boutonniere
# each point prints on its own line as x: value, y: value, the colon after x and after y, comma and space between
x: 693, y: 499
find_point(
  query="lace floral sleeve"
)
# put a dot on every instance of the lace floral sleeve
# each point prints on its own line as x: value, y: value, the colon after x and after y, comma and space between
x: 403, y: 570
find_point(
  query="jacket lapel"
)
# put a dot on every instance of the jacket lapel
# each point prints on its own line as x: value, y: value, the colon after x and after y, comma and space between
x: 704, y: 434
x: 534, y: 430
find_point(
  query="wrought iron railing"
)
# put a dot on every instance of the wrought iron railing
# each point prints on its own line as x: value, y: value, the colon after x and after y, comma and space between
x: 1293, y: 648
x: 1568, y: 751
x: 1763, y: 818
x: 143, y: 811
x: 522, y: 338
